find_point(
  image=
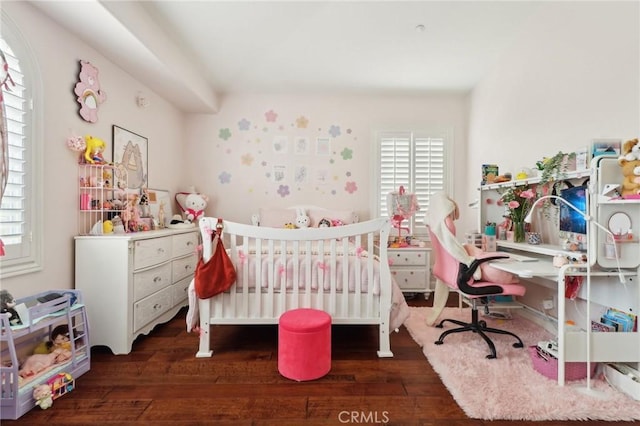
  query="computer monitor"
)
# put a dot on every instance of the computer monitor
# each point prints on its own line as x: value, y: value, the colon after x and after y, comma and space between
x: 572, y: 225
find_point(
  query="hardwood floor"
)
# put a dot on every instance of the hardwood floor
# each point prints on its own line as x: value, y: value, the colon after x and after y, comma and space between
x: 161, y: 382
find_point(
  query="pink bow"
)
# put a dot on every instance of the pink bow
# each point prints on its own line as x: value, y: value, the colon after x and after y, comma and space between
x: 242, y: 257
x: 323, y: 266
x: 281, y: 270
x: 359, y: 251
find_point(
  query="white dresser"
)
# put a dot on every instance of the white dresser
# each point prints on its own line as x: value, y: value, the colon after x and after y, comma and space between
x: 133, y: 282
x: 410, y: 268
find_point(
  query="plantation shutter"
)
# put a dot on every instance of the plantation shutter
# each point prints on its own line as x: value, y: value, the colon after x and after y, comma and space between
x: 13, y: 224
x: 415, y: 161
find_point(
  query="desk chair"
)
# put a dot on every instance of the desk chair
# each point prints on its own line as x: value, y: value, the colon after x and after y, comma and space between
x: 459, y: 277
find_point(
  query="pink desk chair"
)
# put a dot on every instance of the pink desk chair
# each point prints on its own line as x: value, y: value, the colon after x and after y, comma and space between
x: 459, y: 277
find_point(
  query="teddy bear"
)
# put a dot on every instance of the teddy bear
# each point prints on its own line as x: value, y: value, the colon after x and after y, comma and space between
x: 630, y: 151
x: 631, y: 182
x: 7, y: 304
x: 43, y: 396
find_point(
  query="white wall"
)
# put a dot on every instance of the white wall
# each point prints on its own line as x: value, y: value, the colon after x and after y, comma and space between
x: 561, y: 85
x: 58, y: 53
x: 247, y: 156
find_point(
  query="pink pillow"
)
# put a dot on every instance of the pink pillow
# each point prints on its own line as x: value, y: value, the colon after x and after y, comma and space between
x: 489, y: 273
x: 276, y: 218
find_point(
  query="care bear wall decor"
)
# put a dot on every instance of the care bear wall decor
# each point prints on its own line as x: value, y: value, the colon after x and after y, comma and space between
x: 88, y: 92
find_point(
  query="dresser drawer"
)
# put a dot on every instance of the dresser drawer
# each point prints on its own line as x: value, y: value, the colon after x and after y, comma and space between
x: 410, y: 279
x: 151, y: 252
x: 181, y: 291
x: 183, y: 267
x: 407, y: 257
x: 149, y: 281
x: 152, y: 307
x: 184, y: 244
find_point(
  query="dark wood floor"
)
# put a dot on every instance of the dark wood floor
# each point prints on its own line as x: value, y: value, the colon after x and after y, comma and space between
x: 161, y: 382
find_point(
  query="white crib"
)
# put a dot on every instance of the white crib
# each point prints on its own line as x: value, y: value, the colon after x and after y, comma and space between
x: 331, y: 269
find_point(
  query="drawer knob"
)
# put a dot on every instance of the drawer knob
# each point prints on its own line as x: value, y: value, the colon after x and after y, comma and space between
x: 157, y: 279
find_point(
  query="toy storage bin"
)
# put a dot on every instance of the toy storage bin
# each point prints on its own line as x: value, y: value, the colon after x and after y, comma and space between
x: 549, y: 368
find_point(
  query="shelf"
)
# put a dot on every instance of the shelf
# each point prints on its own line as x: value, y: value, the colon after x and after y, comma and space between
x: 534, y: 180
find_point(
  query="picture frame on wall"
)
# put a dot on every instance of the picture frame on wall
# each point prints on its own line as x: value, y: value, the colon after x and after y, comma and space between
x: 131, y: 157
x: 158, y: 198
x: 606, y: 147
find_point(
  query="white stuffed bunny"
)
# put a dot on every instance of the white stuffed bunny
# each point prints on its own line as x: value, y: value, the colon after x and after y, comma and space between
x: 302, y: 220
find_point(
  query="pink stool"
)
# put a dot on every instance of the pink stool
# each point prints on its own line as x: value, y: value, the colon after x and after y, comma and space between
x: 304, y: 344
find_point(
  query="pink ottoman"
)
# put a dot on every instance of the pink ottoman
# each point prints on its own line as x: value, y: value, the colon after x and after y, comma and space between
x: 304, y: 344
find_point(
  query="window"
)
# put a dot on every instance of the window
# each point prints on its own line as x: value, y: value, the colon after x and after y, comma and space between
x: 19, y: 222
x: 418, y: 162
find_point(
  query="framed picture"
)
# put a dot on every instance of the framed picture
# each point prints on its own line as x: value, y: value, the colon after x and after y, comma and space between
x: 160, y: 202
x: 323, y: 146
x: 606, y: 147
x: 130, y: 157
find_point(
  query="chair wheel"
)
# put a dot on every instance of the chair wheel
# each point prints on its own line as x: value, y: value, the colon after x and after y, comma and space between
x: 518, y: 345
x: 482, y: 324
x: 438, y: 342
x: 439, y: 326
x: 491, y: 356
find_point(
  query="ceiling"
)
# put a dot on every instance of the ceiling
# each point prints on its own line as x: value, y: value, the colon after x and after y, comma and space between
x: 211, y: 48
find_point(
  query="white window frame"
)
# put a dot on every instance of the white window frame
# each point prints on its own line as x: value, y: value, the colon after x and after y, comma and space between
x: 411, y: 179
x: 27, y: 256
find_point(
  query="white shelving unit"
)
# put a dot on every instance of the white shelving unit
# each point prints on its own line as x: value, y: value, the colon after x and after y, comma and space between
x: 606, y: 289
x: 101, y: 196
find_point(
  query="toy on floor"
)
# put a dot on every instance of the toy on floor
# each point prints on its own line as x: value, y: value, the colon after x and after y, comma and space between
x: 42, y: 395
x: 7, y: 305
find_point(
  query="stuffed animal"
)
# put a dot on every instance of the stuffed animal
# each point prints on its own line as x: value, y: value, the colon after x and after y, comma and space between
x: 302, y: 220
x: 630, y: 150
x: 192, y: 205
x: 94, y: 149
x: 43, y: 396
x: 7, y: 304
x: 631, y: 182
x: 324, y: 223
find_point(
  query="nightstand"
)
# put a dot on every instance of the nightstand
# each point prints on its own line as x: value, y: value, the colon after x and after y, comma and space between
x: 411, y: 269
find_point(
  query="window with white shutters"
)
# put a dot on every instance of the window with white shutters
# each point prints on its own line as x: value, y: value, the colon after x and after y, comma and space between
x: 19, y: 218
x: 418, y: 162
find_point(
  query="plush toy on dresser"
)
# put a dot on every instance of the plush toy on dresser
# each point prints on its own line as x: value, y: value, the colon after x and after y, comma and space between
x: 630, y: 163
x: 7, y: 305
x: 192, y: 205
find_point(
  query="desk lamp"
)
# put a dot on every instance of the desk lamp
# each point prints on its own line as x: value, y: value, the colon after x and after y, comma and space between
x: 589, y: 220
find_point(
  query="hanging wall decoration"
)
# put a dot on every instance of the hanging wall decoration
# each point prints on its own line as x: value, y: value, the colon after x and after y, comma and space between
x: 88, y: 92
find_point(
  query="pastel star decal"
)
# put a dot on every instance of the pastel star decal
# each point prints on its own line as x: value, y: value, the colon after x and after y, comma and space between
x: 283, y: 190
x: 224, y: 134
x: 347, y: 154
x: 224, y: 177
x: 302, y: 122
x: 244, y: 124
x: 271, y: 116
x: 334, y: 131
x: 351, y: 187
x: 247, y: 159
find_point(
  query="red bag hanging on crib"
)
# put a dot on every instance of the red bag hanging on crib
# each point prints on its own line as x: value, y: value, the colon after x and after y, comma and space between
x: 217, y: 275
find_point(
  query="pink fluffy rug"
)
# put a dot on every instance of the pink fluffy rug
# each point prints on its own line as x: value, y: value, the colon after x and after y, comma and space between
x: 508, y: 388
